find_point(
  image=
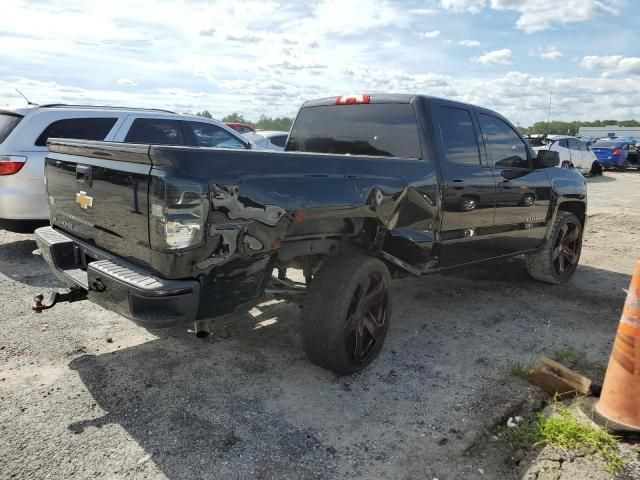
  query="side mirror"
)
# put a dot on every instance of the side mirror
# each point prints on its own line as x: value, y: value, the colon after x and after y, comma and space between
x: 547, y: 158
x: 248, y: 146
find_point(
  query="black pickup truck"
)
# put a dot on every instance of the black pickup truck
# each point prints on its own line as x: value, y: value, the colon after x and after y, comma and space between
x: 370, y: 187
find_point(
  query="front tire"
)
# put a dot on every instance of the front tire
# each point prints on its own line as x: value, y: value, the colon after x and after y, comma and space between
x: 557, y: 259
x: 347, y: 313
x: 596, y: 169
x: 566, y: 165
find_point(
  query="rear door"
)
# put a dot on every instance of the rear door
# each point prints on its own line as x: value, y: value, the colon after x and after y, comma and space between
x: 562, y: 147
x: 522, y: 192
x: 576, y: 152
x: 469, y: 187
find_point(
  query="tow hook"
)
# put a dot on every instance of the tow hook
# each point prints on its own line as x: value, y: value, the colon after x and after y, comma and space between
x: 72, y: 295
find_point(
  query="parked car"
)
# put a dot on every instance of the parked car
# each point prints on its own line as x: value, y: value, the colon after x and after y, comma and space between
x: 23, y: 145
x: 241, y: 127
x: 369, y: 187
x: 612, y: 153
x: 268, y: 139
x: 632, y: 148
x: 573, y: 152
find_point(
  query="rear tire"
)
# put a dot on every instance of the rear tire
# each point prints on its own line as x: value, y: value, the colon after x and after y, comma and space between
x: 596, y: 169
x: 623, y: 167
x: 557, y: 259
x: 566, y: 165
x: 347, y: 313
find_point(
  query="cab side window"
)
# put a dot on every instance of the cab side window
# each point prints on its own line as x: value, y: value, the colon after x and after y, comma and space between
x: 504, y: 146
x: 563, y: 143
x: 458, y: 136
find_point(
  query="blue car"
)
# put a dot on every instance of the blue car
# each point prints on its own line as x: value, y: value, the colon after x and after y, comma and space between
x: 612, y: 153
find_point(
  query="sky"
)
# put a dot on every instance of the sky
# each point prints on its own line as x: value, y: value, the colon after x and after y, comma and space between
x: 267, y: 57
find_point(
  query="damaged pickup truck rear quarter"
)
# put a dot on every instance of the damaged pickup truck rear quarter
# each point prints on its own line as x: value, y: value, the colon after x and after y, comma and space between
x: 370, y: 188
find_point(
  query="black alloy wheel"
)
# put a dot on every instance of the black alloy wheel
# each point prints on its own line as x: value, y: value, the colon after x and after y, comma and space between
x: 346, y: 313
x: 566, y: 252
x: 366, y: 318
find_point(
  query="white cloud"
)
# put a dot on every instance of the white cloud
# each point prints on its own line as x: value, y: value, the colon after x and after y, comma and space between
x: 126, y: 82
x: 469, y: 43
x: 502, y: 56
x: 470, y: 6
x: 538, y: 15
x: 552, y: 53
x: 612, y: 64
x: 433, y: 34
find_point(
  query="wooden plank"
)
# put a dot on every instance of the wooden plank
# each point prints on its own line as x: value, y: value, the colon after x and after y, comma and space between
x: 556, y: 379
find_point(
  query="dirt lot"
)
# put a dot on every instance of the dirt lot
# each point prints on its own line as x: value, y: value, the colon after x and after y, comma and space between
x: 85, y: 393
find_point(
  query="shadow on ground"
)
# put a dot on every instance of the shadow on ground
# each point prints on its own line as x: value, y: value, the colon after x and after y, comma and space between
x: 247, y: 404
x: 18, y: 263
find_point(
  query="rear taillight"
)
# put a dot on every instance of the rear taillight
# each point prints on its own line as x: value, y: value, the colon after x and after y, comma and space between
x: 350, y: 99
x: 10, y: 164
x: 177, y: 214
x: 616, y: 152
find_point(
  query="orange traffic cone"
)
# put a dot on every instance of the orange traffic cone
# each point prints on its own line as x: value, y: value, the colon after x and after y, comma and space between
x: 619, y: 403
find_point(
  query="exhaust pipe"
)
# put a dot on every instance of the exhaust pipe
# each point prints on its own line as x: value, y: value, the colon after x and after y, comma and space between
x: 201, y: 328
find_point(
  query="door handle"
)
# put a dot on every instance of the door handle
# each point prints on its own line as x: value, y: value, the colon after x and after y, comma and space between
x: 457, y: 184
x: 506, y: 184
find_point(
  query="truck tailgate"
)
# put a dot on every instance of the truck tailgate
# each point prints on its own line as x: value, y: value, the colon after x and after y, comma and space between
x: 98, y: 192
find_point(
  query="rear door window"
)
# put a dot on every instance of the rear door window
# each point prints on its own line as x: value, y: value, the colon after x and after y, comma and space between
x: 458, y: 136
x: 375, y: 129
x: 574, y: 144
x: 80, y: 128
x: 8, y: 121
x: 279, y: 140
x: 156, y: 131
x: 505, y: 148
x: 209, y: 135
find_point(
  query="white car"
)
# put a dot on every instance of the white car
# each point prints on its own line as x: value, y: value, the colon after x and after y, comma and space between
x: 23, y: 146
x: 574, y: 153
x: 268, y: 139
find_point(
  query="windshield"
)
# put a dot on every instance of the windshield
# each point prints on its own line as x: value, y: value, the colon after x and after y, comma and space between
x: 384, y: 130
x: 8, y: 122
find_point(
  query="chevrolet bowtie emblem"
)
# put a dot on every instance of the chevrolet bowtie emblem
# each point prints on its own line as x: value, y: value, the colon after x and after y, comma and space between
x: 84, y: 200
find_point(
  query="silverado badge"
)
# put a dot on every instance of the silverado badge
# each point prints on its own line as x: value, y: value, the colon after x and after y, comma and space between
x: 84, y: 200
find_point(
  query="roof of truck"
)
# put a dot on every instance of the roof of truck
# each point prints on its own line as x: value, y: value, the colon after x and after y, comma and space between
x: 382, y: 98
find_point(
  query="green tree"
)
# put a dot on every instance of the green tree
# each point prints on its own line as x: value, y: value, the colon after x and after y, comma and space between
x: 278, y: 123
x: 236, y: 118
x: 205, y: 114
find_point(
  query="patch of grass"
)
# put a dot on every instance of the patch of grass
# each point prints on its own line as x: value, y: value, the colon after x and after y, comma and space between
x: 521, y: 369
x: 565, y: 432
x: 567, y: 354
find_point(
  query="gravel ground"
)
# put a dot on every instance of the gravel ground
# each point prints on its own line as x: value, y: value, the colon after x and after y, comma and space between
x: 85, y: 393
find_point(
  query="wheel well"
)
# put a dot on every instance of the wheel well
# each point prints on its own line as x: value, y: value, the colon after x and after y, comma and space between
x: 577, y: 208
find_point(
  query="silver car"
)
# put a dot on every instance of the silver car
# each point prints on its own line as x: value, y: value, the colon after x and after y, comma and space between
x: 268, y: 139
x: 23, y: 146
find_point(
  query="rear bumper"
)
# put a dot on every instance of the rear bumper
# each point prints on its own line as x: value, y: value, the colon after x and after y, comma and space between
x: 116, y: 285
x: 22, y: 199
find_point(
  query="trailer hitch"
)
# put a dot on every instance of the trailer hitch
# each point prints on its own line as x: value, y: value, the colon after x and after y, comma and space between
x: 72, y: 295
